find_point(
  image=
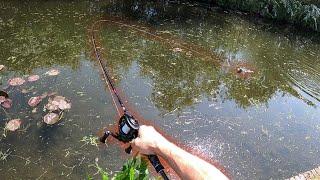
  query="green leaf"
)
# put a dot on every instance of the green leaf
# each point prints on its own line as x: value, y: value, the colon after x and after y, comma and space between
x: 104, y: 176
x: 132, y: 173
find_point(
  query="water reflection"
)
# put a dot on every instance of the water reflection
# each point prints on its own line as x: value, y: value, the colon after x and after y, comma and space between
x: 181, y: 76
x: 259, y: 127
x: 278, y: 59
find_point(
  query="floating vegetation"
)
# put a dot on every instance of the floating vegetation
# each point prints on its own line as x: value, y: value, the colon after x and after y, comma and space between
x: 53, y: 72
x: 58, y: 102
x: 4, y: 155
x: 2, y: 67
x: 34, y: 101
x: 33, y: 78
x: 13, y: 125
x: 5, y: 102
x: 52, y: 118
x: 16, y: 81
x: 55, y: 106
x: 92, y: 140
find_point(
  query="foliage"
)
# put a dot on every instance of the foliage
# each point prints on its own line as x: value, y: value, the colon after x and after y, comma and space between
x: 291, y: 11
x: 134, y: 168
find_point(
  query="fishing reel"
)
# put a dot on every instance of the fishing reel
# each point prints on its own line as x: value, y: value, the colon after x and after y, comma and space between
x: 128, y: 129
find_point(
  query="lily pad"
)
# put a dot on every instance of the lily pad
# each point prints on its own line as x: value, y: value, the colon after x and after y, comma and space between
x: 13, y: 124
x: 1, y: 67
x: 58, y: 102
x: 59, y: 98
x: 7, y: 103
x: 34, y: 101
x: 51, y: 107
x: 63, y: 105
x: 16, y: 81
x: 53, y: 72
x: 2, y: 99
x: 33, y: 78
x: 51, y: 118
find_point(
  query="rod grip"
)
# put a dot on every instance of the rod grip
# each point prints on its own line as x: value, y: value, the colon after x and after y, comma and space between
x: 155, y: 163
x: 158, y: 166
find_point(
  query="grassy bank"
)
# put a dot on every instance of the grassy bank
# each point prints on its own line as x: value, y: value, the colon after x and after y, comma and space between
x: 300, y: 13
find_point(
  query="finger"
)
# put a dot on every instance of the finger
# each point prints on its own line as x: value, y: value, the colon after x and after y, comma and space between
x: 136, y: 142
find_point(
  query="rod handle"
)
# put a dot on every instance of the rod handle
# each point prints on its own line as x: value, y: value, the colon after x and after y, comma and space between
x: 157, y: 166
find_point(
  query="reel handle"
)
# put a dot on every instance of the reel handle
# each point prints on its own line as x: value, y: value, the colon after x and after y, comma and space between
x: 105, y: 136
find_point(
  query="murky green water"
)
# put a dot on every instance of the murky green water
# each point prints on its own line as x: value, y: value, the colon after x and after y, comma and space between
x: 183, y: 80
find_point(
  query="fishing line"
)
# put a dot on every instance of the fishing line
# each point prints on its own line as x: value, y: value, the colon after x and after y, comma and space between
x: 128, y: 126
x: 107, y: 77
x: 167, y: 41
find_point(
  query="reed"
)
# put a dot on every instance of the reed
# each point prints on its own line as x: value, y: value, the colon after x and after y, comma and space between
x: 300, y: 13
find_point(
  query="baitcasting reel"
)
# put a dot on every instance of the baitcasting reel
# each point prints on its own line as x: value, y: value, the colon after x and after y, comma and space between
x: 128, y: 130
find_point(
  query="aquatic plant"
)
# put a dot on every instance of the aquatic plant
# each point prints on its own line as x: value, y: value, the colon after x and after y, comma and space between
x: 5, y: 154
x: 292, y: 11
x: 134, y: 168
x: 92, y: 140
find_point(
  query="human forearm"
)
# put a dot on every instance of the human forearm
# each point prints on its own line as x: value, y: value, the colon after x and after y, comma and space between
x: 186, y: 165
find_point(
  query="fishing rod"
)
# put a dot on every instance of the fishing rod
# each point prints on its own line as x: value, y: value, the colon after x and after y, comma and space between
x: 128, y: 126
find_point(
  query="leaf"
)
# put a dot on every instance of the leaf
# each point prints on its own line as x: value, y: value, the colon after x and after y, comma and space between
x: 89, y: 177
x: 13, y: 125
x: 16, y: 81
x: 105, y: 176
x: 131, y: 173
x: 58, y: 102
x: 7, y: 103
x: 33, y: 78
x: 2, y: 99
x: 51, y: 118
x: 53, y: 72
x: 34, y: 101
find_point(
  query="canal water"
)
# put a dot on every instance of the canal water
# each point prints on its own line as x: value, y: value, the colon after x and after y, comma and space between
x: 178, y: 66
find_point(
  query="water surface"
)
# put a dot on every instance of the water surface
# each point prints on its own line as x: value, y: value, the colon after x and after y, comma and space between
x: 182, y: 80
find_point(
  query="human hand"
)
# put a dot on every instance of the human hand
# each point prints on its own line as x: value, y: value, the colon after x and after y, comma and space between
x: 148, y: 140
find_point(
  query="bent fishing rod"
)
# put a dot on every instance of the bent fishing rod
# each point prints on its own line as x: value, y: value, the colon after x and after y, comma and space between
x: 128, y: 126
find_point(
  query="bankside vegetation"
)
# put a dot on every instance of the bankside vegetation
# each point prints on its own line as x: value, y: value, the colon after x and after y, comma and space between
x: 301, y: 13
x: 134, y: 168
